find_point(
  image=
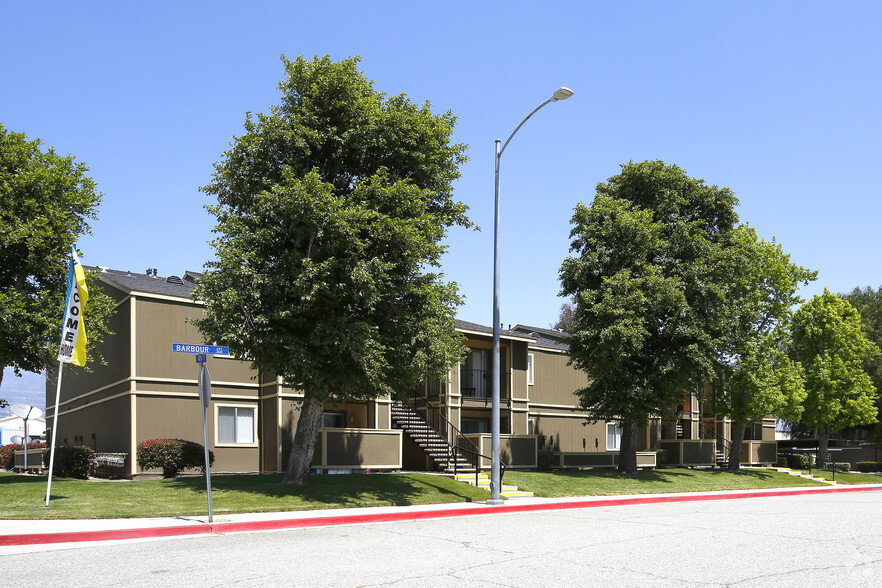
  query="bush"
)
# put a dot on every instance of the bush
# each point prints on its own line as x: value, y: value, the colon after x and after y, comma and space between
x: 868, y: 466
x: 798, y: 461
x: 172, y: 456
x: 782, y: 461
x: 661, y: 456
x: 545, y: 460
x: 71, y: 462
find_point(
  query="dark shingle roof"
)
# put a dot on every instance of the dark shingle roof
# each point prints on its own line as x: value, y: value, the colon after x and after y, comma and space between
x: 467, y: 326
x: 545, y: 338
x: 169, y: 286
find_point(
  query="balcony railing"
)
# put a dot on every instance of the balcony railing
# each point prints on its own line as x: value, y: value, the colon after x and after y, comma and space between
x: 478, y: 384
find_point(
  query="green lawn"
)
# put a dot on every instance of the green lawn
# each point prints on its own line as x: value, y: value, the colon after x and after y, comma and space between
x: 845, y: 477
x: 610, y: 482
x: 23, y: 497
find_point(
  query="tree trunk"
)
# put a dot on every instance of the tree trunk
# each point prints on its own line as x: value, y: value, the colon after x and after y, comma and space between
x: 304, y: 441
x: 823, y: 445
x: 628, y: 448
x: 735, y: 447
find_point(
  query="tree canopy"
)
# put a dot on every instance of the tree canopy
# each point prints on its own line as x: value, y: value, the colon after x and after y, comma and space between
x: 330, y: 214
x: 829, y: 343
x: 757, y: 377
x: 868, y: 303
x: 46, y: 203
x: 648, y: 288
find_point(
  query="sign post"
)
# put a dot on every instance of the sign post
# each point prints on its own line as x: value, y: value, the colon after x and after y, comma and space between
x: 204, y: 385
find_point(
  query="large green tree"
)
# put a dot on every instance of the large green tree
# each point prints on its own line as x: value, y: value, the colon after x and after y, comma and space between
x: 756, y: 376
x: 868, y: 303
x: 330, y: 216
x: 830, y: 344
x: 46, y: 202
x: 648, y: 288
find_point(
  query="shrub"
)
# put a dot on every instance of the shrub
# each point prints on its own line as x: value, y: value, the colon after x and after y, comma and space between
x: 798, y: 461
x: 661, y: 456
x: 545, y: 459
x: 71, y: 462
x: 172, y: 456
x: 782, y: 461
x: 868, y: 466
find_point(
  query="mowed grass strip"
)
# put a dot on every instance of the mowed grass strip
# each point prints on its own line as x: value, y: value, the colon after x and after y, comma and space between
x: 610, y: 482
x: 844, y: 477
x: 24, y: 497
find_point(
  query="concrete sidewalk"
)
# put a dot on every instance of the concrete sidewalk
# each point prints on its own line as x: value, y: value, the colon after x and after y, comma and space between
x: 45, y: 532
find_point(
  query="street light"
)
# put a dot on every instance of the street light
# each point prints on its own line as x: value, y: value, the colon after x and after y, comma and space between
x: 561, y: 93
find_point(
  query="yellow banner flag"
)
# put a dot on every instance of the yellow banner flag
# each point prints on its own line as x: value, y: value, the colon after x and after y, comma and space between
x: 73, y: 329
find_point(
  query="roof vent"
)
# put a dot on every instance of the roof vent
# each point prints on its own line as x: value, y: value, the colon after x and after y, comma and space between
x: 174, y: 280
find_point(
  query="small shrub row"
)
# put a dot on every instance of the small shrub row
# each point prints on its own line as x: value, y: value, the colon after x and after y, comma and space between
x: 661, y: 456
x: 868, y: 466
x: 172, y: 456
x: 798, y: 461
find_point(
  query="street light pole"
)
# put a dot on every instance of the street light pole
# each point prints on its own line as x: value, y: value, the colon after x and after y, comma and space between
x: 561, y: 93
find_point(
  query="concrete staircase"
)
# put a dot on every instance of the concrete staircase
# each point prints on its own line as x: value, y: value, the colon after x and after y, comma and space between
x: 483, y: 481
x: 441, y: 452
x: 430, y: 440
x: 802, y: 475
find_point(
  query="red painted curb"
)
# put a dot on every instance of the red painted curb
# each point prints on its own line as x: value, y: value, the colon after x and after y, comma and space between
x: 404, y: 515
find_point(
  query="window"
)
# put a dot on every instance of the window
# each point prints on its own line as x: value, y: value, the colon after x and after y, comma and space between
x: 613, y: 436
x: 530, y: 365
x: 236, y: 425
x: 470, y: 426
x: 333, y: 420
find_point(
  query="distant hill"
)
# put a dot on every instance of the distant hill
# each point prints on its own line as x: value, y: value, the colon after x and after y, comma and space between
x: 30, y: 389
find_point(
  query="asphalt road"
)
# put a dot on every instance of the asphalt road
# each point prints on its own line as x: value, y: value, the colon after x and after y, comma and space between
x: 820, y: 540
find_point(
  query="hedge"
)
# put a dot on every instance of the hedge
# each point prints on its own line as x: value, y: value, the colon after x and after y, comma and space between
x: 798, y: 461
x: 71, y: 462
x: 172, y: 456
x: 868, y: 466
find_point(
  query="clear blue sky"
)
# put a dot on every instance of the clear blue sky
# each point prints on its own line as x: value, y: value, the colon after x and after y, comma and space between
x: 779, y: 101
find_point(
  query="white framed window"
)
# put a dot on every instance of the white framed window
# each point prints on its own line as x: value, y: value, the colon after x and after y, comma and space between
x: 236, y: 425
x: 613, y: 436
x: 530, y: 369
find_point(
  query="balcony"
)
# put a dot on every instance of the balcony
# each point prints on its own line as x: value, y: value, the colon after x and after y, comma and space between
x: 478, y: 385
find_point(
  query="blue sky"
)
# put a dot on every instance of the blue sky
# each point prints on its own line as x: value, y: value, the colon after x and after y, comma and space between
x: 779, y: 101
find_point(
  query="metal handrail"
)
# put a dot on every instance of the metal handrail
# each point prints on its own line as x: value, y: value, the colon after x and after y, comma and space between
x: 436, y: 421
x: 706, y: 432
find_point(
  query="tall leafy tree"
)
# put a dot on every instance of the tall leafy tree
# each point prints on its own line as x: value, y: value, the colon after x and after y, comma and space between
x: 868, y: 303
x: 565, y: 318
x: 831, y: 346
x: 757, y: 377
x: 648, y: 288
x: 331, y: 210
x: 46, y: 203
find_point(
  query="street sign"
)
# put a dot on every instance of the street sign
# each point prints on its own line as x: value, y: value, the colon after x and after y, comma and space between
x: 209, y: 349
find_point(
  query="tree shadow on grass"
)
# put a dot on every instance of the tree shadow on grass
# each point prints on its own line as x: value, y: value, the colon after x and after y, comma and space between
x: 327, y: 491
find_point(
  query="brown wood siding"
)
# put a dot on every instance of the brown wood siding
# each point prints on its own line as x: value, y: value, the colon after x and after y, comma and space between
x: 555, y: 382
x: 108, y: 421
x: 159, y: 324
x: 568, y: 434
x: 181, y: 418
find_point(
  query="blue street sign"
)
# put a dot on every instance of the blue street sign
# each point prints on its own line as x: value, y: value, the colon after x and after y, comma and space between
x: 209, y: 349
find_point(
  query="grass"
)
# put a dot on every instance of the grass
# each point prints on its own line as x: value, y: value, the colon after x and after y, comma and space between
x: 845, y: 477
x: 24, y: 497
x: 610, y: 482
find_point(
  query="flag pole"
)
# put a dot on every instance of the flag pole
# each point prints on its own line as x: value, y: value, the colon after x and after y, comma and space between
x: 54, y: 431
